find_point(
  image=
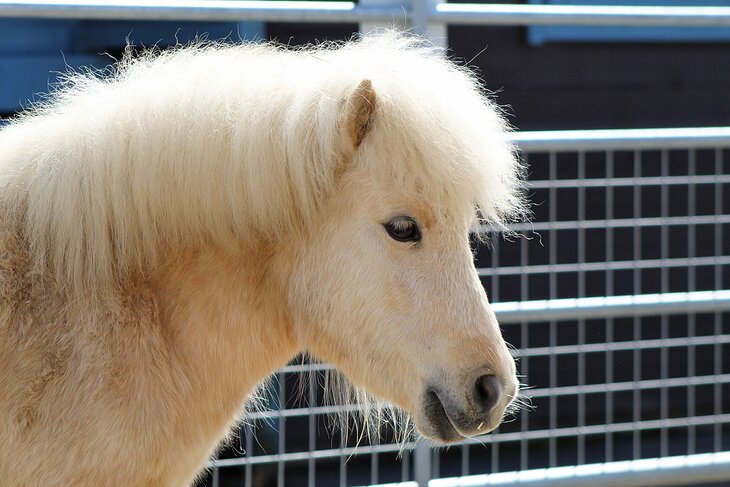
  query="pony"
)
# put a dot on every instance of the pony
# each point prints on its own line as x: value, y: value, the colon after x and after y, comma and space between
x: 175, y: 230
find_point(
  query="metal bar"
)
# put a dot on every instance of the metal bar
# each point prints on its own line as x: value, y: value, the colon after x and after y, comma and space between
x: 421, y: 24
x: 611, y: 306
x: 630, y: 139
x: 718, y: 349
x: 298, y: 412
x: 664, y: 390
x: 202, y: 10
x: 646, y: 384
x: 305, y: 455
x: 664, y: 325
x: 598, y: 429
x: 626, y: 345
x: 662, y: 221
x: 594, y: 15
x: 691, y: 282
x: 637, y: 289
x: 405, y: 465
x: 553, y: 294
x: 312, y: 384
x: 582, y: 251
x: 678, y: 470
x: 553, y: 400
x: 609, y: 291
x: 248, y: 471
x: 643, y: 181
x: 400, y: 21
x: 586, y: 389
x: 661, y: 343
x: 465, y: 459
x: 422, y: 464
x: 216, y: 478
x: 524, y: 364
x: 434, y: 13
x: 281, y: 423
x: 311, y: 366
x: 607, y: 266
x: 495, y: 265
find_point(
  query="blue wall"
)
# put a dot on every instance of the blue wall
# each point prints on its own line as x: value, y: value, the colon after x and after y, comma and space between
x: 33, y: 52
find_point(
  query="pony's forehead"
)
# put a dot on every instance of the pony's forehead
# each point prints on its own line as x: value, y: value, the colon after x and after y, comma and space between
x: 434, y: 202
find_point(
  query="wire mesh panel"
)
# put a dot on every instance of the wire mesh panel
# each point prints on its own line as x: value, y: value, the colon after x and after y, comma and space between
x: 297, y: 439
x: 612, y: 223
x: 635, y: 220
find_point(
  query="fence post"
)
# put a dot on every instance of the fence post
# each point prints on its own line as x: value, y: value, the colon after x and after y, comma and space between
x: 395, y: 23
x: 422, y: 463
x: 421, y: 25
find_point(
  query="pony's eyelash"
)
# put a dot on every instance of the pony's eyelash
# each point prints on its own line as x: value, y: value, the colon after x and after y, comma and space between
x: 402, y: 223
x: 403, y: 229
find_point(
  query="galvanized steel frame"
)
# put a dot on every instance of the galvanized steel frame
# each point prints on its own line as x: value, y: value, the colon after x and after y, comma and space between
x: 425, y: 17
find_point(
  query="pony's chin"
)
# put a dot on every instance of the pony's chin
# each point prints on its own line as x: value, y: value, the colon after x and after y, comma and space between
x: 435, y: 423
x: 443, y: 424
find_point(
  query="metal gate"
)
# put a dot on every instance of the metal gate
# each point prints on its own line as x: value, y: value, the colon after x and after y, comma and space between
x: 613, y: 297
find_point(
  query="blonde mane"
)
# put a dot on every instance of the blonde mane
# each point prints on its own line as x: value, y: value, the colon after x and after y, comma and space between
x: 235, y: 144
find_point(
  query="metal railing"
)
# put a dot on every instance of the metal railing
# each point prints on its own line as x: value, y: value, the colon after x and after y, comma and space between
x: 425, y: 17
x: 642, y: 370
x: 632, y: 272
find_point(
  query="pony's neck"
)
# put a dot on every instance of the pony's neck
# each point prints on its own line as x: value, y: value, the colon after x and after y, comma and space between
x: 227, y: 327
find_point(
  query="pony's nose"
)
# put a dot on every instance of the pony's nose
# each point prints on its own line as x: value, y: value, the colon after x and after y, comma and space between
x: 487, y: 392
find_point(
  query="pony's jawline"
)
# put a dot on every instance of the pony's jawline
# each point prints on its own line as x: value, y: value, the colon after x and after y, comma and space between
x: 440, y: 420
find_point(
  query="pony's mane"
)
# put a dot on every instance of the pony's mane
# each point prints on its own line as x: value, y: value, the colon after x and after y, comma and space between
x: 227, y: 144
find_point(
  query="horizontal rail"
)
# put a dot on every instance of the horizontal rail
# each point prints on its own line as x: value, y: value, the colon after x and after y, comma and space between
x: 202, y: 10
x: 595, y: 15
x: 634, y: 385
x: 679, y: 470
x: 643, y: 222
x: 623, y: 346
x: 627, y: 139
x: 602, y: 266
x: 613, y: 306
x: 316, y: 454
x: 572, y: 390
x: 596, y: 429
x: 445, y: 13
x: 623, y: 182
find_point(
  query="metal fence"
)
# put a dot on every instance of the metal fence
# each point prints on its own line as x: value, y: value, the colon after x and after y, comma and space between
x: 614, y: 301
x: 614, y: 298
x: 425, y: 17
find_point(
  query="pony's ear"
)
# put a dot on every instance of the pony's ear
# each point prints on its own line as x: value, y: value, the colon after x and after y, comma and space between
x: 358, y: 114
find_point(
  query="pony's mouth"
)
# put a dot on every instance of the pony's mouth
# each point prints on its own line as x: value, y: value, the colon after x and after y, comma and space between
x: 443, y: 429
x: 447, y: 423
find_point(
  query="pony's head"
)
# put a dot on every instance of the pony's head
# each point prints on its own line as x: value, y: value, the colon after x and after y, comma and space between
x: 385, y: 285
x: 370, y: 164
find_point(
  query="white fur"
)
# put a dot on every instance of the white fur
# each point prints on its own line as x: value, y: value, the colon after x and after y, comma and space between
x: 173, y: 233
x: 229, y: 142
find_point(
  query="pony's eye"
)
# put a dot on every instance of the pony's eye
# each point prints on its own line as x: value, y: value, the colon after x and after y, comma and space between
x: 403, y: 229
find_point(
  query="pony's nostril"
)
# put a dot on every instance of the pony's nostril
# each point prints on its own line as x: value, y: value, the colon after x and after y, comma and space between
x: 488, y: 392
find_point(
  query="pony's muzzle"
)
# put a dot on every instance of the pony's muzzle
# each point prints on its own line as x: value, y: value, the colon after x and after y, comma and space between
x: 450, y: 415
